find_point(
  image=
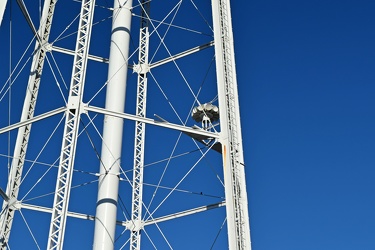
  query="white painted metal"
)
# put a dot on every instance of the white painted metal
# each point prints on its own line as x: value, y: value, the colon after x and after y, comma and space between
x: 106, y: 206
x: 22, y: 140
x: 139, y: 141
x: 126, y: 223
x: 71, y: 52
x: 209, y: 135
x: 231, y: 139
x: 72, y: 117
x: 184, y: 213
x: 32, y: 120
x: 49, y: 210
x: 181, y: 54
x: 235, y: 199
x: 3, y: 5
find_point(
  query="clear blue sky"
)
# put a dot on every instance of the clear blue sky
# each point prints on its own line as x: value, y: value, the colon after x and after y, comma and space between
x: 306, y: 81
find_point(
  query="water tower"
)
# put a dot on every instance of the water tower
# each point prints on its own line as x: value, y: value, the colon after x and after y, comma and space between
x: 98, y: 145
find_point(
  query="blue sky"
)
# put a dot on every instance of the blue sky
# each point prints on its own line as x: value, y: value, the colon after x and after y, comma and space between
x: 305, y: 71
x: 306, y: 81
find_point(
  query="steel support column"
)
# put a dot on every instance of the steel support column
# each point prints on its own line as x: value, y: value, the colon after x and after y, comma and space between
x: 136, y: 223
x: 23, y: 134
x: 106, y: 207
x: 72, y: 116
x: 231, y: 138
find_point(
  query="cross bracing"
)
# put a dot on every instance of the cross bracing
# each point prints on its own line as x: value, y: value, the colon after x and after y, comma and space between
x: 170, y: 185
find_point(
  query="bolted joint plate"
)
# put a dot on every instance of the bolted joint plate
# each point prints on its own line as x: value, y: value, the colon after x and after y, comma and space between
x: 135, y: 225
x: 47, y: 47
x: 73, y: 102
x: 142, y: 68
x: 13, y: 203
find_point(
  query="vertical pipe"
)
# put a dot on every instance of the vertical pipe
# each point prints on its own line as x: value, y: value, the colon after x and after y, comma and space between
x: 106, y: 207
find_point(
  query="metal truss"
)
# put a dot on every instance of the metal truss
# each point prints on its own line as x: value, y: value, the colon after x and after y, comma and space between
x: 231, y: 138
x: 22, y: 140
x: 72, y: 116
x: 142, y: 68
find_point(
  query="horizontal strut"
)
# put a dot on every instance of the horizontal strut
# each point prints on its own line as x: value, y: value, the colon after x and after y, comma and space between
x: 182, y: 54
x: 32, y: 120
x: 125, y: 223
x: 71, y: 52
x: 153, y: 122
x: 184, y: 213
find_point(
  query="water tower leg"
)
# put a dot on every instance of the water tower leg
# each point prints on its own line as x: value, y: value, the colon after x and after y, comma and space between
x: 106, y: 207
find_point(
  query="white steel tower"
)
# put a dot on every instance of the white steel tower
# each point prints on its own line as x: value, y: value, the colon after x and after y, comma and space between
x: 84, y: 162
